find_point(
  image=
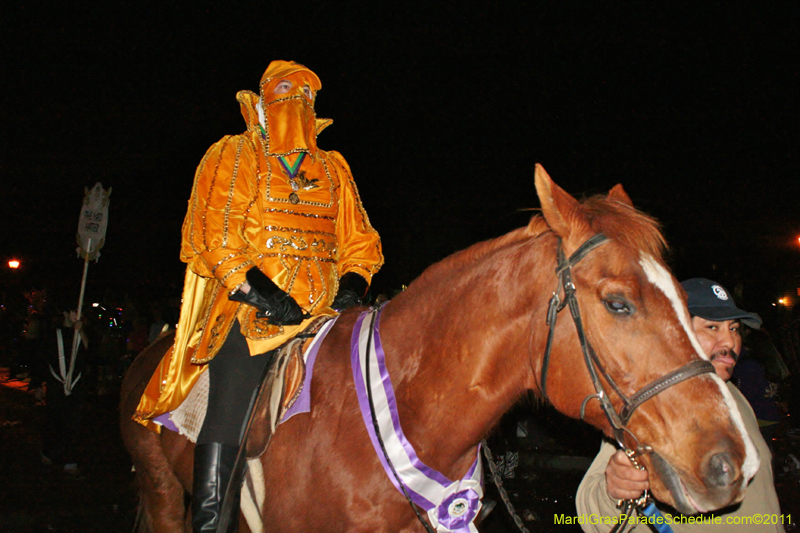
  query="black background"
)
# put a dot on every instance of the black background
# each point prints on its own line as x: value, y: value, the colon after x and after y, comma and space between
x: 442, y: 109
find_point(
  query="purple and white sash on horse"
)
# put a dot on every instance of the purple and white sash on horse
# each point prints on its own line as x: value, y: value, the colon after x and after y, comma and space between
x: 451, y: 505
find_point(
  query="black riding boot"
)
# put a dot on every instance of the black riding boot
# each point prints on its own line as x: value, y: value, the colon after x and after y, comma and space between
x: 213, y: 465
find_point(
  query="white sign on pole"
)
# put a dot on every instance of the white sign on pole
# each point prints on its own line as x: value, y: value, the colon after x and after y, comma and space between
x: 93, y: 222
x: 91, y: 236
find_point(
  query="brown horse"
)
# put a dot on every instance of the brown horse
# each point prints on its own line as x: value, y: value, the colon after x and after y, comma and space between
x: 465, y: 342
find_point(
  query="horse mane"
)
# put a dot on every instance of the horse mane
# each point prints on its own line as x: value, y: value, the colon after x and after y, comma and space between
x: 619, y: 221
x: 623, y: 223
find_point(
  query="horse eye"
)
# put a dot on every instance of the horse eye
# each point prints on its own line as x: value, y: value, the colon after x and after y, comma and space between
x: 618, y: 307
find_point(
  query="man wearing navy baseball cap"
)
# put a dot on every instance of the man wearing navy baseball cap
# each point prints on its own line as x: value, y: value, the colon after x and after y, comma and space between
x: 717, y: 322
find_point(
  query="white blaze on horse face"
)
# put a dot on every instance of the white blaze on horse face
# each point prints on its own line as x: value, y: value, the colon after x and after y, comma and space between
x: 658, y: 276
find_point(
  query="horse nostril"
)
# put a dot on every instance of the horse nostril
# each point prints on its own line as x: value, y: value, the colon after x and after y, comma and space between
x: 721, y: 472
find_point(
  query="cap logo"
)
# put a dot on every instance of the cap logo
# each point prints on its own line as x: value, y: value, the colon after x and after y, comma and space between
x: 719, y: 292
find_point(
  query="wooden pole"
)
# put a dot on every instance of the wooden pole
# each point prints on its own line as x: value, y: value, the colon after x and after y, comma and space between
x: 76, y: 336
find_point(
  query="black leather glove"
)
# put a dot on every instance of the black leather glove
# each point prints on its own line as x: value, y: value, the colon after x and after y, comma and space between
x: 352, y: 290
x: 272, y: 303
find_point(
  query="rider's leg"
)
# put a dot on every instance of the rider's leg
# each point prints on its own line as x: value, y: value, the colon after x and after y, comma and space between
x: 233, y: 376
x: 213, y: 465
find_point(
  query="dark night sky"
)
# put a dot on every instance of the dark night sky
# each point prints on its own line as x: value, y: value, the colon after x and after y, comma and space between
x: 442, y: 113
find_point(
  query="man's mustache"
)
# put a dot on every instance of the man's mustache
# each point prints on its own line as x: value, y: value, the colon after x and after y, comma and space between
x: 725, y: 352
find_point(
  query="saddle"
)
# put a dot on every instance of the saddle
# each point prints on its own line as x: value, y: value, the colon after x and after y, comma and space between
x: 281, y: 386
x: 279, y: 389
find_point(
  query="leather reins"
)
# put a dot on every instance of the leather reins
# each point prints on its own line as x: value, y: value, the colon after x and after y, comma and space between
x: 618, y: 420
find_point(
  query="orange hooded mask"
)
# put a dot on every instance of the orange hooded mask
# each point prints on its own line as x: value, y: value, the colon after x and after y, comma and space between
x: 288, y: 120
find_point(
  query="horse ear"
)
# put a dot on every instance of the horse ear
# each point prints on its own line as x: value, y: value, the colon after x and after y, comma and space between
x: 558, y: 207
x: 618, y: 194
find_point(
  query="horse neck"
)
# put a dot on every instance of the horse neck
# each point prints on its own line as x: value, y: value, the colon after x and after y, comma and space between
x: 457, y: 344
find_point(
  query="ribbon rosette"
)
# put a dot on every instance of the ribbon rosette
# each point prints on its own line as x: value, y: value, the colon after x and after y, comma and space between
x: 460, y: 505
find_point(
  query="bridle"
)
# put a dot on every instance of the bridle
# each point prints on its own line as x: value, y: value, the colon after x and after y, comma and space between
x: 618, y: 420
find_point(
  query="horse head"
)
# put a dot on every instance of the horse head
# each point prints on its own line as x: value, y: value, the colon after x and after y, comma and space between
x: 633, y: 329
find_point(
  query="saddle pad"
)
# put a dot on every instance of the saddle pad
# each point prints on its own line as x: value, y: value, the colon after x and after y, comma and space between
x: 188, y: 418
x: 288, y: 369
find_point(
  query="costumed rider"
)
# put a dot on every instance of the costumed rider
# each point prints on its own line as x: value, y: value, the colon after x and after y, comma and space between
x: 274, y: 237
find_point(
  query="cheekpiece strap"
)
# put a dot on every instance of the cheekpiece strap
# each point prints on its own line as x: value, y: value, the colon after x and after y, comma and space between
x: 564, y: 273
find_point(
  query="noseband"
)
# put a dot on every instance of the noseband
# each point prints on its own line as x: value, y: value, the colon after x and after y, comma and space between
x: 617, y: 420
